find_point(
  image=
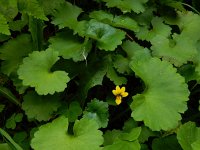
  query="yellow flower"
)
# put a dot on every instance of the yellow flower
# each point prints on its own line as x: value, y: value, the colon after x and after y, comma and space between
x: 119, y: 93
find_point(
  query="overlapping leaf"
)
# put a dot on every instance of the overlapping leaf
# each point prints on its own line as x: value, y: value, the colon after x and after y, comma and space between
x: 40, y: 107
x: 9, y: 9
x: 54, y: 135
x: 121, y: 63
x: 166, y: 143
x: 125, y: 140
x: 35, y: 72
x: 107, y: 37
x: 116, y: 21
x: 50, y: 6
x: 13, y: 53
x: 127, y: 5
x: 66, y: 16
x: 70, y: 46
x: 182, y: 47
x: 4, y: 29
x: 159, y: 29
x: 32, y: 8
x: 98, y: 111
x: 189, y: 136
x: 163, y: 99
x: 92, y: 77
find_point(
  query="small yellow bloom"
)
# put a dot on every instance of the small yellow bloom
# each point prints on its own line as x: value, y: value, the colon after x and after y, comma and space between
x: 119, y: 93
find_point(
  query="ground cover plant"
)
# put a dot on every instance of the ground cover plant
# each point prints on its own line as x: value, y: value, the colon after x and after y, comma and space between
x: 99, y: 75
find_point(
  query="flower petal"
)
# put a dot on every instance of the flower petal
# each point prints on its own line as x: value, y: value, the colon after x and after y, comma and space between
x: 118, y: 100
x: 115, y: 92
x: 123, y: 89
x: 124, y: 94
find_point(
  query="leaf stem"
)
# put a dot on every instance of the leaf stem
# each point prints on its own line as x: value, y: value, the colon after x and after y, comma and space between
x: 8, y: 137
x: 191, y: 8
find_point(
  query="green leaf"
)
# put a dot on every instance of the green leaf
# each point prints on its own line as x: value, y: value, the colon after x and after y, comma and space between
x: 86, y: 136
x: 125, y: 145
x: 107, y: 37
x: 8, y: 94
x: 111, y: 73
x: 11, y: 122
x: 8, y: 137
x: 118, y: 140
x: 132, y: 135
x: 5, y: 146
x: 39, y: 107
x: 188, y: 136
x: 155, y: 101
x: 4, y: 29
x: 50, y: 6
x: 159, y: 28
x: 121, y: 64
x: 13, y: 52
x: 66, y: 16
x: 35, y: 72
x: 74, y: 111
x: 22, y: 139
x: 111, y: 136
x: 2, y: 107
x: 166, y: 143
x: 70, y: 46
x: 92, y: 77
x: 127, y: 5
x: 181, y: 47
x: 32, y: 8
x: 98, y: 111
x: 9, y: 9
x: 116, y: 21
x: 36, y: 28
x: 145, y: 134
x: 196, y: 145
x: 18, y: 25
x: 18, y: 83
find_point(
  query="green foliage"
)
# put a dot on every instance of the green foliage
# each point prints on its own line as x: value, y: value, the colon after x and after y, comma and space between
x: 40, y: 107
x: 12, y: 57
x: 116, y: 21
x: 60, y: 61
x: 166, y: 143
x: 156, y: 102
x: 4, y: 26
x: 11, y: 122
x: 32, y: 8
x: 85, y: 136
x: 98, y: 111
x: 107, y: 37
x: 70, y: 46
x: 127, y: 5
x: 188, y: 136
x: 70, y: 20
x: 35, y: 72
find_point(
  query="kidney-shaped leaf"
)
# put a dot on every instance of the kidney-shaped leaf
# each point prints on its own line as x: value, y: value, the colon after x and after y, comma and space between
x: 108, y: 37
x: 165, y: 95
x: 35, y: 72
x: 188, y: 136
x: 54, y: 136
x: 40, y: 107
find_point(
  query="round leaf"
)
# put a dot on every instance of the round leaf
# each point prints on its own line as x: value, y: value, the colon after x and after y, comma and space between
x: 165, y: 95
x: 54, y: 136
x: 35, y: 72
x: 40, y: 107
